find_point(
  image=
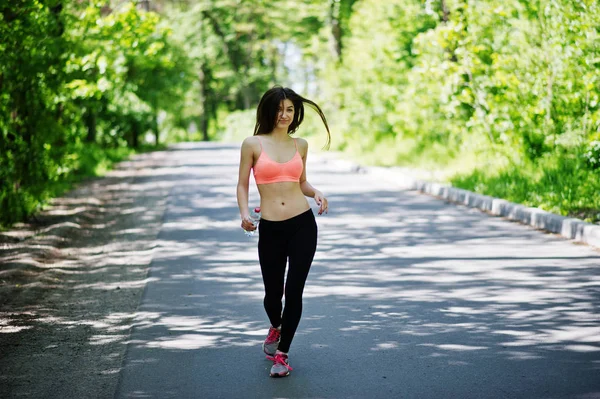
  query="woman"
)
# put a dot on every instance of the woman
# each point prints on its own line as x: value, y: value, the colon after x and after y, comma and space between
x: 287, y: 228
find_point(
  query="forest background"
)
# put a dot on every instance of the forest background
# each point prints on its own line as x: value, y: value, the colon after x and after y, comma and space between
x: 500, y: 96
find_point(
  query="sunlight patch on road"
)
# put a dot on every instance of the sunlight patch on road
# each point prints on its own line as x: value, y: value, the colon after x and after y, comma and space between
x: 6, y: 329
x: 582, y: 348
x: 106, y: 339
x: 199, y: 332
x: 456, y: 347
x: 185, y: 341
x: 520, y: 355
x: 117, y: 284
x: 385, y: 346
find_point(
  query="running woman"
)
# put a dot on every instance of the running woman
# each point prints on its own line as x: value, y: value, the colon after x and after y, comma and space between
x: 287, y: 228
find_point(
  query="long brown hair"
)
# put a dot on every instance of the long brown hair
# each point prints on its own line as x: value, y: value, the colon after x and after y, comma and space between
x: 267, y: 111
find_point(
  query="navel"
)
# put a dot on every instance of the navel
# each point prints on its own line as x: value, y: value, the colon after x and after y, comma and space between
x: 283, y: 203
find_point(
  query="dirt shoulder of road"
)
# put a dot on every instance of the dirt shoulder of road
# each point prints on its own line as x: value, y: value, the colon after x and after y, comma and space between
x: 70, y: 282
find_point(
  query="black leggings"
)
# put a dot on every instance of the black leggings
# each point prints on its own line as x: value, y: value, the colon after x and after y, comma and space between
x: 296, y: 239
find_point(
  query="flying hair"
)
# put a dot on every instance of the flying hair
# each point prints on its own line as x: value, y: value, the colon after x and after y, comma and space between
x: 267, y: 111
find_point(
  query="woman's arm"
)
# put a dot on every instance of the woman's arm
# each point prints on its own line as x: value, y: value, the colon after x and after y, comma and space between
x: 306, y: 187
x: 246, y: 161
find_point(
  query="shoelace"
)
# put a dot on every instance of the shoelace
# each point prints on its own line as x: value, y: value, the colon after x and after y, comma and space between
x: 273, y: 335
x: 278, y: 358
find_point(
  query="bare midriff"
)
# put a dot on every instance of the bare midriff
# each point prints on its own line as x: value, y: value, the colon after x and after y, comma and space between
x: 281, y: 201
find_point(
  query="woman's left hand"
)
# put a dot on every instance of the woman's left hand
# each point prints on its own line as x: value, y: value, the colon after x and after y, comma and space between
x: 322, y: 202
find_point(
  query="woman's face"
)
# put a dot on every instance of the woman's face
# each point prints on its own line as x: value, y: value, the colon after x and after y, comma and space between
x: 285, y: 115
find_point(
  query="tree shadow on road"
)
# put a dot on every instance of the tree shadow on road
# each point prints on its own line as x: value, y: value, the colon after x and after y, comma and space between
x: 408, y: 296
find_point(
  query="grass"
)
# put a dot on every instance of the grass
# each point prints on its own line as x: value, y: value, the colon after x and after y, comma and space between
x: 558, y: 183
x: 559, y: 186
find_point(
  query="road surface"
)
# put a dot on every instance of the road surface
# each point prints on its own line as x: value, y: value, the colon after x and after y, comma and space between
x: 408, y: 297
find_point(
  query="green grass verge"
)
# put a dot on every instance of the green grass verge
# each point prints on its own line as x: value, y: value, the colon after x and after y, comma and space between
x: 94, y: 161
x: 559, y: 186
x: 559, y: 183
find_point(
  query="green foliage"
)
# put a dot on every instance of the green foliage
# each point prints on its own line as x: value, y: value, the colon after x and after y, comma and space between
x: 30, y: 74
x: 592, y: 155
x: 73, y: 76
x: 124, y: 72
x: 505, y: 94
x: 237, y: 126
x: 236, y: 50
x: 90, y: 160
x: 512, y: 84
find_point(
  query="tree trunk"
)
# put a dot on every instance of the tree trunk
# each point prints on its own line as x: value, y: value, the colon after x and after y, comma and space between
x: 336, y: 29
x: 90, y: 122
x: 246, y: 97
x: 204, y: 126
x: 144, y: 5
x: 135, y: 134
x: 206, y: 106
x: 155, y: 128
x: 445, y: 11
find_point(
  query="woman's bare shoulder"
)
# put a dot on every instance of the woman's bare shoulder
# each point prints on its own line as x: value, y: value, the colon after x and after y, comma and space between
x: 302, y: 144
x: 251, y: 141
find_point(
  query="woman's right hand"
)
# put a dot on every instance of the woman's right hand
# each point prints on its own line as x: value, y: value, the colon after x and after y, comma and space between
x: 247, y: 223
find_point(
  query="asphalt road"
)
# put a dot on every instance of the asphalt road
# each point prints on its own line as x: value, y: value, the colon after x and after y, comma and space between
x: 408, y: 297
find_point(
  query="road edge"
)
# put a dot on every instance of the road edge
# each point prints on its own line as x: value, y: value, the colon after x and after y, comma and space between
x: 570, y: 228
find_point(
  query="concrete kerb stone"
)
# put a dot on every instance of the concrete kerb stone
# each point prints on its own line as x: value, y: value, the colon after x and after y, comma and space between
x: 567, y: 227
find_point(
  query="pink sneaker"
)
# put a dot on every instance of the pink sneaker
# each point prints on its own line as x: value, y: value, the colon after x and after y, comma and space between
x: 272, y: 341
x: 281, y: 366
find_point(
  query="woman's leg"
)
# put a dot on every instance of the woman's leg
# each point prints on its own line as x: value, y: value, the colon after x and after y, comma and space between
x: 301, y: 250
x: 272, y: 255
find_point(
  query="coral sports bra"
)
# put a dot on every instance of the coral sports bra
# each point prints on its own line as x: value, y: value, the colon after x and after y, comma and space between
x: 267, y: 171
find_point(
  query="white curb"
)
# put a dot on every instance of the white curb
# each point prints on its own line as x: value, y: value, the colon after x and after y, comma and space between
x: 571, y: 228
